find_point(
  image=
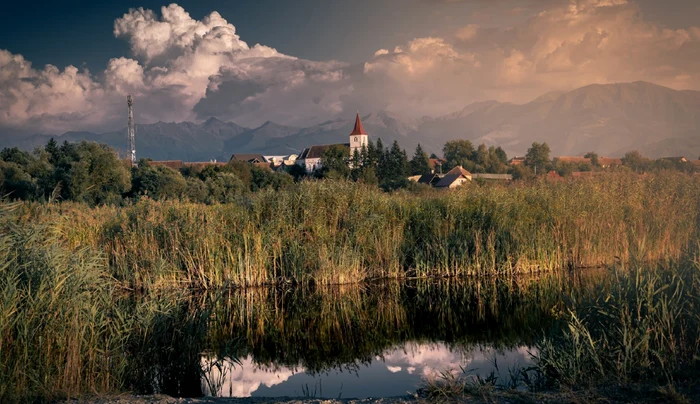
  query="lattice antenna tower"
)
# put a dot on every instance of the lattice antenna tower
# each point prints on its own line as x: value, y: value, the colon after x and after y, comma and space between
x: 130, y: 129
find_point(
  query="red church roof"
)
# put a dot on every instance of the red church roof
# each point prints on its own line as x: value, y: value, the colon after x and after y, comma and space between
x: 358, y: 130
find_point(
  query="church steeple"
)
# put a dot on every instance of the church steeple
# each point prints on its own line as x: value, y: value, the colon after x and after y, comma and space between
x: 358, y: 137
x: 358, y: 130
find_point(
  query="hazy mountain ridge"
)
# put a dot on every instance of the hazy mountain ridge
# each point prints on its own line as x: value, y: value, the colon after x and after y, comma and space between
x: 610, y: 119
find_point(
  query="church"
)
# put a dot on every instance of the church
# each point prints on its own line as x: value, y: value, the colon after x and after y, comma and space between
x: 310, y: 158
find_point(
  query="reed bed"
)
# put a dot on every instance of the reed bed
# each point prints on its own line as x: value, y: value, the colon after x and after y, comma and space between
x: 340, y: 232
x: 641, y: 327
x: 68, y: 328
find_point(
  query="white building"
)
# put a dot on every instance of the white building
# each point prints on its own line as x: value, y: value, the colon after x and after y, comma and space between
x: 310, y: 158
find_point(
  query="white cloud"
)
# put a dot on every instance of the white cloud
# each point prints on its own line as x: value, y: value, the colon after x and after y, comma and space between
x: 180, y: 68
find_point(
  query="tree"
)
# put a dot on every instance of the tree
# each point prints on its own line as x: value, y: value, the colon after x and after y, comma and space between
x: 481, y: 158
x: 225, y: 187
x: 156, y: 182
x: 393, y: 168
x: 635, y: 161
x: 537, y: 158
x: 457, y: 153
x: 334, y: 162
x: 501, y: 155
x: 593, y: 157
x: 296, y: 171
x: 196, y: 190
x: 97, y: 176
x: 420, y: 164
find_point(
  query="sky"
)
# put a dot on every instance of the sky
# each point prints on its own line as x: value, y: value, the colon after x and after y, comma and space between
x: 69, y: 65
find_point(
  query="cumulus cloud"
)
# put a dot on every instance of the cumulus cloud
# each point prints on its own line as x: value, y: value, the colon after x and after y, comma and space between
x: 180, y: 68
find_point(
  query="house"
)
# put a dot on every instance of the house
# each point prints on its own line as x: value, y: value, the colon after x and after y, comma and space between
x: 451, y: 181
x: 174, y: 164
x: 572, y: 160
x: 680, y: 159
x: 460, y: 170
x: 607, y: 162
x: 280, y: 160
x: 429, y: 179
x: 201, y: 165
x: 249, y: 158
x: 497, y: 177
x: 310, y: 158
x: 516, y: 161
x: 454, y: 178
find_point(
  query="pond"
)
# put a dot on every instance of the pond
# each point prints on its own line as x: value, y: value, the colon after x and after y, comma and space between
x: 355, y: 341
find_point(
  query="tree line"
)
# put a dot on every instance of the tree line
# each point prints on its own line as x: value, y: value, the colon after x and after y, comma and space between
x: 389, y: 167
x: 93, y: 173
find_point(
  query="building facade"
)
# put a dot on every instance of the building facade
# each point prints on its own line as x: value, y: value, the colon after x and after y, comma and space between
x: 310, y: 158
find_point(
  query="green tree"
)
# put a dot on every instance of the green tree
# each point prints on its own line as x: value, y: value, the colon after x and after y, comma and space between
x: 636, y: 162
x: 537, y: 158
x: 457, y: 153
x: 296, y: 171
x: 501, y: 155
x: 225, y: 187
x: 97, y: 176
x: 420, y: 164
x: 594, y: 158
x: 393, y: 169
x: 334, y: 162
x: 157, y: 182
x: 196, y: 190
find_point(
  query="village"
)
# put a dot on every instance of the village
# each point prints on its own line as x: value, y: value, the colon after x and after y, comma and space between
x: 439, y: 173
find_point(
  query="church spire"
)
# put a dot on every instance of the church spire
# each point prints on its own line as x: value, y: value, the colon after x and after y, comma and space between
x: 358, y: 130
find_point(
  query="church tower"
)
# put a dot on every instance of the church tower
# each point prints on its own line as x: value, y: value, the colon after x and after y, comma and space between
x: 358, y: 137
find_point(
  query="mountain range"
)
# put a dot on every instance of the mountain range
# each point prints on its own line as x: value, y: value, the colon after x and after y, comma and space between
x: 609, y: 119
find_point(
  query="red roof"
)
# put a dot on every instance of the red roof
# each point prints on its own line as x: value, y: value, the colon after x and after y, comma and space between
x: 358, y: 130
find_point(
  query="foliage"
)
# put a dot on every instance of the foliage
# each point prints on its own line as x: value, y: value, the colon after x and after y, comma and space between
x: 334, y: 163
x: 634, y: 329
x: 337, y: 231
x: 458, y: 153
x: 537, y: 158
x: 420, y: 163
x: 157, y: 182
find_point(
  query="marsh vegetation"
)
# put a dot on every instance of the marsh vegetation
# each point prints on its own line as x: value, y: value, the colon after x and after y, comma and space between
x: 322, y: 276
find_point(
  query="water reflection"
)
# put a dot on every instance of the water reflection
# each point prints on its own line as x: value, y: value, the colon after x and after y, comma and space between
x: 396, y: 372
x: 358, y: 341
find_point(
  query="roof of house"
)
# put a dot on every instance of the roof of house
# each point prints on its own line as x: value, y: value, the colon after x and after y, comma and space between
x: 516, y: 160
x: 249, y: 158
x: 696, y: 163
x: 448, y: 180
x: 573, y: 159
x: 435, y: 162
x: 358, y: 129
x: 609, y: 161
x: 679, y: 159
x: 459, y: 170
x: 202, y: 164
x: 487, y: 176
x: 174, y: 164
x: 316, y: 151
x: 428, y: 179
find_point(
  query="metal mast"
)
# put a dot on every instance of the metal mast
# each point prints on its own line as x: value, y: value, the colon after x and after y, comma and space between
x: 130, y: 129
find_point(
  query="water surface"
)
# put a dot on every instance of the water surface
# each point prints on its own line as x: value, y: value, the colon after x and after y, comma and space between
x: 377, y: 340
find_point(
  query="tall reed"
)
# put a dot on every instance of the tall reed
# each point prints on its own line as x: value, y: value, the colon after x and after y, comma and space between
x: 340, y: 232
x: 641, y: 327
